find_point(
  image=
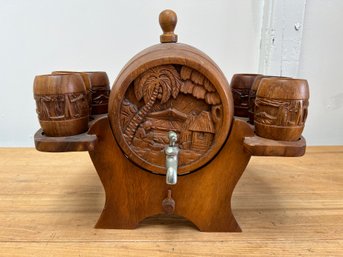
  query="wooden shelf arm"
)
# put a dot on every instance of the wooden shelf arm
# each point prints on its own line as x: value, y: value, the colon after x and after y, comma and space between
x: 81, y: 142
x: 258, y: 146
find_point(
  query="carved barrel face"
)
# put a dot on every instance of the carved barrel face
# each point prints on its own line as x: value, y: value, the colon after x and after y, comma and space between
x: 171, y: 98
x: 146, y: 103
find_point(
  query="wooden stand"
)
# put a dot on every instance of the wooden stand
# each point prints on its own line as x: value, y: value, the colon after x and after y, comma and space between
x: 203, y: 197
x: 170, y: 89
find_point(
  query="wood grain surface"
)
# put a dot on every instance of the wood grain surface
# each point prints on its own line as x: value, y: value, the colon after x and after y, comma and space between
x: 285, y: 206
x: 202, y: 197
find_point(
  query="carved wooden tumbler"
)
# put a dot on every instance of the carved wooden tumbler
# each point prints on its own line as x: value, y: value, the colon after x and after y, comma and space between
x: 240, y: 87
x: 86, y: 81
x: 100, y: 91
x: 170, y: 142
x: 252, y: 95
x: 281, y: 108
x: 62, y: 104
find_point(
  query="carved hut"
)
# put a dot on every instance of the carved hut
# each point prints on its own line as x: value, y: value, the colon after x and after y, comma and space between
x: 202, y: 131
x: 166, y: 120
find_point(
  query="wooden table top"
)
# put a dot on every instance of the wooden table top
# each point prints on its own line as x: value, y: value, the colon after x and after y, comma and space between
x: 49, y: 204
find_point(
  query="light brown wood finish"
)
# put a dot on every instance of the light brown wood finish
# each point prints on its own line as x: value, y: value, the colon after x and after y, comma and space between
x: 259, y: 146
x: 281, y: 107
x: 170, y: 54
x: 132, y: 194
x: 80, y: 142
x: 168, y: 20
x: 252, y: 95
x: 285, y: 206
x: 168, y: 87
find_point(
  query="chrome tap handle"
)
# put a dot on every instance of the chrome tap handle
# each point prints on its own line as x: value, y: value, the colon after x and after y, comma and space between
x: 171, y: 152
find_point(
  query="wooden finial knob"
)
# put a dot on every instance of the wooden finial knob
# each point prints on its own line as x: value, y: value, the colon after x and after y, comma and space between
x: 168, y: 20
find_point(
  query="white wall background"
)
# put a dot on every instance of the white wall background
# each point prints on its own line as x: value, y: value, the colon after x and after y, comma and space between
x: 39, y: 36
x: 321, y: 62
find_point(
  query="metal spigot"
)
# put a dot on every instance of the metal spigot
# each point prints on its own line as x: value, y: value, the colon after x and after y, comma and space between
x: 171, y: 152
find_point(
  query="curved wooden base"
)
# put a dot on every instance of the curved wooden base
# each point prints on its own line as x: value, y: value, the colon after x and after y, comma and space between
x: 203, y: 197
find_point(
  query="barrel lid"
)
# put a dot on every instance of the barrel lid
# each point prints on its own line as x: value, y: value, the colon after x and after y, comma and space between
x: 170, y: 87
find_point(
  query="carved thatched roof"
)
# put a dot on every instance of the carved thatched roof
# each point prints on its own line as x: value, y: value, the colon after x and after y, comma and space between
x: 203, y: 123
x: 169, y: 114
x: 165, y: 124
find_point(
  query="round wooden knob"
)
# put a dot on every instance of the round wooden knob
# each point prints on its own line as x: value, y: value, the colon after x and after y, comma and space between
x: 168, y: 20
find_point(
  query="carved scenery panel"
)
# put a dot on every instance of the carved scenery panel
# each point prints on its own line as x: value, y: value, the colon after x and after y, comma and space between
x: 171, y: 98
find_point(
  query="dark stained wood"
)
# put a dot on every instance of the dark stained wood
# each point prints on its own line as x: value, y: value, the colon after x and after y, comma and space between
x: 259, y: 146
x: 202, y: 197
x: 62, y: 104
x: 281, y: 108
x: 81, y: 142
x: 100, y: 91
x: 240, y: 86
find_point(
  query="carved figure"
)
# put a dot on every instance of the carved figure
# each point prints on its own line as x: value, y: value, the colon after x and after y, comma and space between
x: 240, y: 88
x: 61, y: 107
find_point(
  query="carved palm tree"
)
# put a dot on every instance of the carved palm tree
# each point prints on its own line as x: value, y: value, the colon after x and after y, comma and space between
x: 159, y: 82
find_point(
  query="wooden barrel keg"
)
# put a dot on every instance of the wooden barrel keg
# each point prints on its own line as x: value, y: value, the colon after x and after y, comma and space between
x: 170, y: 87
x: 100, y: 91
x: 240, y: 87
x: 281, y: 108
x: 86, y: 80
x: 62, y: 104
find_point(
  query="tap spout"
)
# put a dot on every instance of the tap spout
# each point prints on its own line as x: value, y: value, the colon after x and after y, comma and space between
x: 171, y: 152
